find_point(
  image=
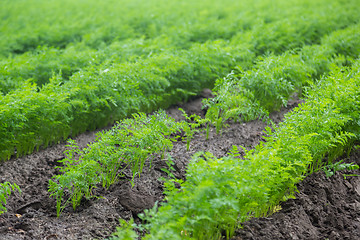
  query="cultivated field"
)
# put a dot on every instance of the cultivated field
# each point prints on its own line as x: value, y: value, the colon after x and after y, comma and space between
x: 179, y: 119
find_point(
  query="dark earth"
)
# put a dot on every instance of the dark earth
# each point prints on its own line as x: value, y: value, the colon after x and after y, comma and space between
x: 324, y: 208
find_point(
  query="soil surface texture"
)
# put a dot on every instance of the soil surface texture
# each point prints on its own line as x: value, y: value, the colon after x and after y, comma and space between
x: 324, y: 208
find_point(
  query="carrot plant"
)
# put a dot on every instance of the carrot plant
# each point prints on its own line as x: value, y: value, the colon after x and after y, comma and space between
x: 40, y: 65
x: 220, y: 193
x: 91, y: 99
x: 232, y: 102
x: 115, y: 22
x: 125, y: 231
x: 247, y: 95
x: 140, y: 65
x: 127, y: 146
x: 339, y: 166
x: 6, y: 189
x: 190, y: 127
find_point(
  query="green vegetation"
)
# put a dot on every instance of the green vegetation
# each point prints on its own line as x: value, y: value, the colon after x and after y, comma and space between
x: 6, y: 189
x: 252, y: 94
x: 99, y: 24
x: 220, y: 193
x: 97, y: 62
x: 124, y: 231
x: 339, y: 166
x: 62, y: 73
x: 128, y: 145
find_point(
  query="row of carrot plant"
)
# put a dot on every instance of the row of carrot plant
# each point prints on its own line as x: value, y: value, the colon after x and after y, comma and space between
x: 98, y: 24
x: 106, y: 91
x: 96, y: 97
x: 340, y: 48
x: 106, y: 157
x: 258, y: 26
x: 127, y: 146
x: 249, y: 94
x: 81, y: 74
x: 220, y: 193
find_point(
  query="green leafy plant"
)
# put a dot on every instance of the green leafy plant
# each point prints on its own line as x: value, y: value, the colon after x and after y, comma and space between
x: 190, y: 127
x: 127, y: 146
x: 232, y: 102
x: 247, y: 95
x: 220, y: 193
x: 125, y: 231
x: 339, y: 166
x: 170, y: 167
x: 6, y: 189
x: 79, y: 75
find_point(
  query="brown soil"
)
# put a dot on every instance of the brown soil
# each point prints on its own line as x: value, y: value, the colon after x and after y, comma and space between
x: 321, y: 202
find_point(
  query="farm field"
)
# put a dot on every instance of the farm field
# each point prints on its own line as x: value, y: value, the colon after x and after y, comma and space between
x: 179, y: 120
x: 99, y: 218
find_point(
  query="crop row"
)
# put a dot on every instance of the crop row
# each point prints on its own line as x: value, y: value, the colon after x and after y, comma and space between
x: 102, y: 93
x: 340, y: 48
x: 127, y: 146
x: 249, y: 94
x: 110, y: 148
x: 257, y: 26
x: 98, y: 24
x: 220, y: 193
x: 94, y: 98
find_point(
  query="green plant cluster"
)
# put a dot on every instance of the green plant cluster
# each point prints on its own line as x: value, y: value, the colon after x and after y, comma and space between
x: 127, y: 146
x: 123, y: 63
x: 330, y: 169
x: 45, y: 54
x: 98, y: 24
x: 220, y: 193
x: 5, y: 191
x: 124, y: 231
x: 98, y: 96
x: 41, y: 64
x: 247, y: 95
